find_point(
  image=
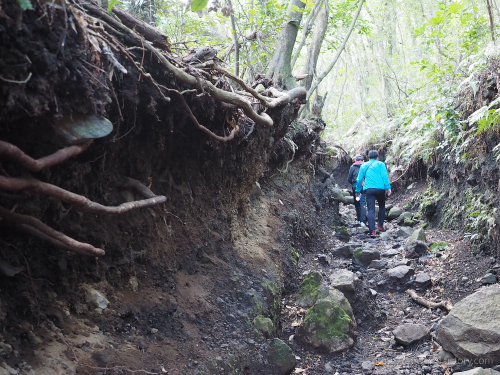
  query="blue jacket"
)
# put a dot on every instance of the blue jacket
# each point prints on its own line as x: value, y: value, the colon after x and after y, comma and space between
x: 376, y: 176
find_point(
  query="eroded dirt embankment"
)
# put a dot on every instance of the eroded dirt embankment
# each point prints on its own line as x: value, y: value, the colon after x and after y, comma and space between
x: 181, y: 281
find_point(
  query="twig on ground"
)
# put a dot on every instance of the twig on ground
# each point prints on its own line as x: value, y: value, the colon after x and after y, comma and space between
x: 14, y: 81
x: 429, y: 304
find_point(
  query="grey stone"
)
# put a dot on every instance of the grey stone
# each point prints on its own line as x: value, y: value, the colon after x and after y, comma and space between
x: 422, y: 281
x: 74, y: 129
x: 418, y: 235
x: 471, y: 331
x: 329, y: 368
x: 378, y: 264
x: 281, y: 358
x: 324, y: 259
x: 394, y: 213
x: 408, y: 333
x: 384, y: 236
x: 390, y: 253
x: 415, y: 249
x: 346, y: 251
x: 489, y: 278
x: 343, y: 280
x: 367, y: 366
x: 363, y: 257
x: 400, y: 274
x: 405, y: 215
x: 95, y: 298
x: 479, y: 371
x: 404, y: 232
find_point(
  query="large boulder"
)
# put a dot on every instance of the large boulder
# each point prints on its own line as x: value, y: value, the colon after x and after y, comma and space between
x: 363, y: 257
x: 418, y: 235
x: 281, y: 358
x: 471, y: 331
x: 408, y: 333
x: 309, y: 289
x: 330, y: 323
x: 479, y: 371
x: 394, y: 213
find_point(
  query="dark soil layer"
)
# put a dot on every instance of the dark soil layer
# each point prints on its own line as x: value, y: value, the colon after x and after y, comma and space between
x: 184, y: 279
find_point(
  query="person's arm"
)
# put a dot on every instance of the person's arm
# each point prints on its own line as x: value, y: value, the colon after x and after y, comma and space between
x: 385, y: 178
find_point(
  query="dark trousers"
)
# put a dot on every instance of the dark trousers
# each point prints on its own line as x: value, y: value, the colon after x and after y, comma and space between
x: 373, y: 195
x: 360, y: 206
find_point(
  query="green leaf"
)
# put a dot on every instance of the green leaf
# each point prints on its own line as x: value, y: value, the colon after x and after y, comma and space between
x: 111, y: 4
x: 25, y: 4
x: 197, y: 5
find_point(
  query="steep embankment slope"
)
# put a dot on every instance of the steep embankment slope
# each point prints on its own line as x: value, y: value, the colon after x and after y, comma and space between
x: 183, y: 277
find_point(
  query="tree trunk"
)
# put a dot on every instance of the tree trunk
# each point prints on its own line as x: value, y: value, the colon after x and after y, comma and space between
x: 315, y: 46
x: 280, y: 68
x: 235, y: 41
x: 492, y: 23
x: 337, y: 55
x: 307, y: 29
x: 341, y: 94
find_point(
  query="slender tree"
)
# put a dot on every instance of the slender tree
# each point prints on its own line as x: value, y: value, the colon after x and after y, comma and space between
x: 280, y: 68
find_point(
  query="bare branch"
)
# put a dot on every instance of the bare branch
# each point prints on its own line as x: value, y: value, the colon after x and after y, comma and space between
x: 35, y: 165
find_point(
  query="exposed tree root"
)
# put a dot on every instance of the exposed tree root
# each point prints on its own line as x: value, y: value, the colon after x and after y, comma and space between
x: 36, y: 165
x: 78, y: 201
x: 429, y: 304
x: 74, y: 245
x: 119, y: 29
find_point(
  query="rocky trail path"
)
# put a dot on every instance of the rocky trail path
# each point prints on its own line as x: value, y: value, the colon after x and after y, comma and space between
x: 395, y: 335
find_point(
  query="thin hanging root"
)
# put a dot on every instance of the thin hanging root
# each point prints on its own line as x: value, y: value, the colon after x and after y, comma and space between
x: 429, y: 304
x: 30, y: 221
x: 36, y: 165
x: 201, y: 127
x: 78, y: 201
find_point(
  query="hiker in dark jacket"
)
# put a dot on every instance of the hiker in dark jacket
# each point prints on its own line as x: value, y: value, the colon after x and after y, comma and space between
x: 359, y: 202
x: 374, y: 182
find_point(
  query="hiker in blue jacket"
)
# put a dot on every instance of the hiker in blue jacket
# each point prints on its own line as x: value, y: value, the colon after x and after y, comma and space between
x: 373, y: 181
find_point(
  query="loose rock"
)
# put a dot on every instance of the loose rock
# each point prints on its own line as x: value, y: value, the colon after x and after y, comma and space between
x: 281, y: 358
x: 363, y: 257
x: 418, y: 235
x: 400, y: 274
x: 394, y: 213
x: 408, y: 333
x: 415, y: 249
x: 343, y: 280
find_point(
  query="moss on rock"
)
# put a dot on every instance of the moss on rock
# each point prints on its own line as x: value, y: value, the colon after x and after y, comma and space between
x: 309, y: 289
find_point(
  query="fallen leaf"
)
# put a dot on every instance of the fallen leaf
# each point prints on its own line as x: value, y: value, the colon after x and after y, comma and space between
x: 377, y: 363
x: 300, y: 370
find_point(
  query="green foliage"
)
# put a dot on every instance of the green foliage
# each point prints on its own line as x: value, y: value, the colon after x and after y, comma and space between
x: 111, y: 4
x: 439, y: 246
x: 197, y: 5
x: 25, y: 4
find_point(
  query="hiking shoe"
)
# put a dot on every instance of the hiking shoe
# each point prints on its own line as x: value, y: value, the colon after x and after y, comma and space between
x: 380, y: 229
x: 373, y: 234
x: 362, y: 225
